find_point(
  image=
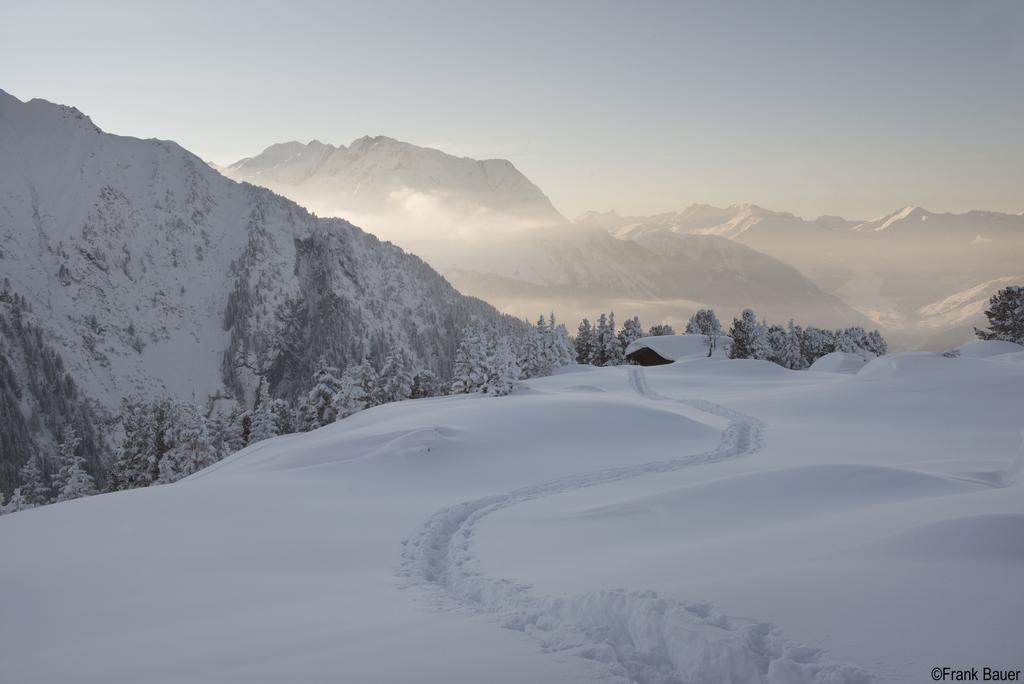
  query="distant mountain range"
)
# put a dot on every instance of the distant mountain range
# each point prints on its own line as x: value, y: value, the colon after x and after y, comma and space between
x: 497, y: 236
x: 898, y: 270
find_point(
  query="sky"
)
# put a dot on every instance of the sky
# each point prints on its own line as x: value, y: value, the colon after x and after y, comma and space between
x: 848, y: 108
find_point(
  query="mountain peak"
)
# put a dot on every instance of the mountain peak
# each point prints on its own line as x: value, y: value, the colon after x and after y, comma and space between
x: 379, y: 175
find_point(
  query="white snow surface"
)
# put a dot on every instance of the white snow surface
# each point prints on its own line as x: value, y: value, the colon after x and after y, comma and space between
x: 704, y: 521
x: 839, y: 362
x: 983, y: 349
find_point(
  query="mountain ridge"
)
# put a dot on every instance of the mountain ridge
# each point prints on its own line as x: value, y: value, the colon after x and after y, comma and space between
x: 152, y: 275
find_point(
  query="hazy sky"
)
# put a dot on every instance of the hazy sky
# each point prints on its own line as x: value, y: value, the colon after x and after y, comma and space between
x: 854, y: 108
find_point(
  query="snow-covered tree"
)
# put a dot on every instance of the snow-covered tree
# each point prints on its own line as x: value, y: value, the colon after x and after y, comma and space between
x: 535, y: 358
x: 318, y: 409
x: 137, y: 459
x: 706, y: 323
x: 585, y: 351
x: 235, y: 429
x: 424, y: 384
x: 786, y: 346
x: 395, y: 378
x: 1005, y: 316
x: 503, y: 371
x: 815, y: 343
x: 72, y: 481
x: 749, y: 338
x: 264, y: 421
x: 875, y: 343
x: 606, y: 349
x: 369, y: 381
x: 190, y: 446
x: 17, y: 502
x: 35, y: 490
x: 761, y: 346
x: 851, y: 340
x: 631, y: 332
x: 744, y: 332
x: 661, y: 329
x: 469, y: 373
x: 562, y: 351
x: 351, y: 397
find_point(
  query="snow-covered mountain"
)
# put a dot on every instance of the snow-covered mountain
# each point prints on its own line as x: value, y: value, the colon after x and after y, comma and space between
x: 496, y: 235
x: 891, y: 269
x: 151, y: 274
x: 395, y: 183
x: 659, y: 274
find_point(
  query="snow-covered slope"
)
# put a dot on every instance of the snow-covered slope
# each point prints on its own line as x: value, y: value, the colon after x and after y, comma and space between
x: 707, y: 521
x: 152, y: 274
x: 379, y: 175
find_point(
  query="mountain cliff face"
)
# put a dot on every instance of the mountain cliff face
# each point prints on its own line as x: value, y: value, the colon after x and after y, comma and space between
x: 150, y: 274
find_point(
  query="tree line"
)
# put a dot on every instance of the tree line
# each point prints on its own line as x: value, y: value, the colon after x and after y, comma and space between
x: 164, y: 440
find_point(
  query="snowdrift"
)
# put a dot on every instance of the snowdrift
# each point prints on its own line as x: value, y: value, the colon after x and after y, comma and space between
x: 838, y: 362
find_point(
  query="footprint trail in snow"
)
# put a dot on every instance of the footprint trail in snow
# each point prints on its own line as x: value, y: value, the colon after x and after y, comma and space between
x: 635, y: 636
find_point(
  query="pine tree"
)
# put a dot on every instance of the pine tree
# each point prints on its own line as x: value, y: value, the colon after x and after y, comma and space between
x: 815, y: 343
x: 875, y: 343
x: 17, y: 502
x: 190, y: 444
x: 503, y: 376
x: 73, y: 482
x: 852, y: 340
x: 743, y: 332
x: 562, y: 351
x: 535, y: 354
x: 369, y: 381
x: 660, y: 330
x: 606, y: 349
x: 137, y: 461
x: 1005, y: 316
x: 776, y: 336
x: 318, y: 409
x: 351, y: 398
x: 34, y: 488
x: 424, y: 384
x: 761, y: 347
x: 788, y: 353
x: 263, y: 423
x: 395, y: 378
x: 469, y: 373
x: 585, y: 343
x: 631, y: 332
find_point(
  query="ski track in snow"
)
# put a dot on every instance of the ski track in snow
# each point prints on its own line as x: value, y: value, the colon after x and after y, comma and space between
x: 630, y: 635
